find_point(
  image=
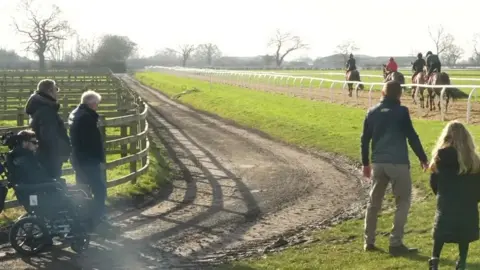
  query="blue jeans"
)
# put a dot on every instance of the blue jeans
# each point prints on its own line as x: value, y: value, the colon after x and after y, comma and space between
x: 93, y: 176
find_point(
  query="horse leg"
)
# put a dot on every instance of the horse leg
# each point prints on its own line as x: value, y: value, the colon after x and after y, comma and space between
x: 431, y: 100
x: 350, y: 89
x: 446, y: 103
x: 413, y: 96
x: 422, y: 100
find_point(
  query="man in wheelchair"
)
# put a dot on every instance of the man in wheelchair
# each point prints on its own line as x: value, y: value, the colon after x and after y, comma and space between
x: 34, y: 188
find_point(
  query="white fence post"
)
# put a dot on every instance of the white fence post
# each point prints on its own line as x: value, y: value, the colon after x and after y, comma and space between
x: 469, y: 103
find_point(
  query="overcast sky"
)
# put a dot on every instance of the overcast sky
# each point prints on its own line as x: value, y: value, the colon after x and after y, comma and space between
x: 243, y: 28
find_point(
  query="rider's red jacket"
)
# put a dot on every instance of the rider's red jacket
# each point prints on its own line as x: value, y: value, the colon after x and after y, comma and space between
x: 392, y: 66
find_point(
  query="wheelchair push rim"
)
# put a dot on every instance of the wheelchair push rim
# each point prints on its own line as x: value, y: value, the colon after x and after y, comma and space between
x: 28, y: 236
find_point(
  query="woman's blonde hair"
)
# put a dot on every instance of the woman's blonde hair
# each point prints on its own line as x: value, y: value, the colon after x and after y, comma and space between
x: 456, y: 135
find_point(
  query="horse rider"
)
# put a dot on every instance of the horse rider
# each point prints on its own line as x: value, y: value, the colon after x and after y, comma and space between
x: 391, y: 66
x: 350, y: 65
x: 418, y: 65
x: 433, y: 63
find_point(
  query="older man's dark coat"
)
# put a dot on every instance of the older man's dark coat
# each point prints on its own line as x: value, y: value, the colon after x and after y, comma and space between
x: 87, y: 142
x: 456, y: 219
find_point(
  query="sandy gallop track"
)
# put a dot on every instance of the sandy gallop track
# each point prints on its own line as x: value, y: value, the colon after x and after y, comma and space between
x: 233, y: 188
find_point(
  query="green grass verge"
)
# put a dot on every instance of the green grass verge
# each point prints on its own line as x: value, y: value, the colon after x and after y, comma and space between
x: 321, y: 126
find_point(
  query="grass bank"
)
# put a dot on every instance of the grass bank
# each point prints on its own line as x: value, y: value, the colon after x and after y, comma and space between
x: 321, y: 126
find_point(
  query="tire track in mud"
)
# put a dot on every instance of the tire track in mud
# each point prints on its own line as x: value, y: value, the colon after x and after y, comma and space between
x: 296, y: 188
x: 232, y: 189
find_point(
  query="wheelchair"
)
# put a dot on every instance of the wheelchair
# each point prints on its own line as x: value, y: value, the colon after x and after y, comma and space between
x: 53, y: 210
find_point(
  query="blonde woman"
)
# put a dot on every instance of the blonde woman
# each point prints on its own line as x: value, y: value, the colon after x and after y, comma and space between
x: 455, y: 179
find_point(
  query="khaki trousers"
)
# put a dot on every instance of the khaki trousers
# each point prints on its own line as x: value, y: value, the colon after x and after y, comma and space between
x: 399, y: 176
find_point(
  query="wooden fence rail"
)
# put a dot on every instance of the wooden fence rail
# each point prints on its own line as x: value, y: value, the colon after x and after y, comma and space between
x: 128, y: 112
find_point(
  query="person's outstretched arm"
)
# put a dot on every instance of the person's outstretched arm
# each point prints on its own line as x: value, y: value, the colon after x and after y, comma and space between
x: 365, y: 141
x: 434, y: 182
x: 413, y: 139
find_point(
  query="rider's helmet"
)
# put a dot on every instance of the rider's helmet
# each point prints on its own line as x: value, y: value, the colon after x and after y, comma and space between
x: 391, y: 59
x: 429, y: 53
x: 419, y: 55
x: 351, y: 55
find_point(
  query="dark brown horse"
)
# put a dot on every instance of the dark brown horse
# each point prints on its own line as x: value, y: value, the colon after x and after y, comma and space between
x: 353, y: 75
x: 439, y: 78
x: 393, y: 76
x: 419, y: 79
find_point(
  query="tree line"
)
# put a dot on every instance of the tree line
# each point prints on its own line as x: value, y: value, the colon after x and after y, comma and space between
x: 46, y: 34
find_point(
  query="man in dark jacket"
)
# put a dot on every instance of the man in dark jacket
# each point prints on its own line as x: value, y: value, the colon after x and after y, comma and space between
x: 88, y: 154
x: 351, y: 65
x: 418, y: 65
x: 388, y: 126
x: 433, y: 63
x: 22, y: 164
x: 54, y: 144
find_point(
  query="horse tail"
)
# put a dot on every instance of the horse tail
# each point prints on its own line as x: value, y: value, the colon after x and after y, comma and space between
x: 445, y: 78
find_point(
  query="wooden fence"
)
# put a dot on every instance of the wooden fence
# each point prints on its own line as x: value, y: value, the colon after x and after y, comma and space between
x: 120, y: 109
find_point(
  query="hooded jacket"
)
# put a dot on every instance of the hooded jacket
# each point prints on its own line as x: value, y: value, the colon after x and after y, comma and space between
x: 53, y: 141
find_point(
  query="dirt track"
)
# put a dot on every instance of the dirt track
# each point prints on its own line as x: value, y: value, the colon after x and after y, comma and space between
x: 235, y: 189
x: 456, y: 110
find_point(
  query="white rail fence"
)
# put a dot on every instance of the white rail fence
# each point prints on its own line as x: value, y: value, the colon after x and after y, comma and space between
x: 381, y: 76
x: 248, y: 78
x: 316, y: 73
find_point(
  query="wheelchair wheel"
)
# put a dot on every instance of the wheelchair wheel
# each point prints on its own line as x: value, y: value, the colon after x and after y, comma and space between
x: 80, y: 243
x: 28, y: 236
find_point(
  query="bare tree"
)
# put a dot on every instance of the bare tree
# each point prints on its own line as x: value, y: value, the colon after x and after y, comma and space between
x: 286, y: 42
x: 57, y: 51
x: 452, y: 54
x: 441, y: 39
x: 476, y: 49
x: 42, y: 32
x: 85, y: 48
x: 208, y: 52
x: 346, y: 47
x: 186, y: 51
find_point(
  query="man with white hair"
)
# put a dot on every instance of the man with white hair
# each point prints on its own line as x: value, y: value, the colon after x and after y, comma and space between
x: 88, y: 153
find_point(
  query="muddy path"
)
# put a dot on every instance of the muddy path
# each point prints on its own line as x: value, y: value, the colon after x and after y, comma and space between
x: 235, y: 193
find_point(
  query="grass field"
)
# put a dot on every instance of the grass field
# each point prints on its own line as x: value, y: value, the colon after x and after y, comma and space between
x: 309, y: 124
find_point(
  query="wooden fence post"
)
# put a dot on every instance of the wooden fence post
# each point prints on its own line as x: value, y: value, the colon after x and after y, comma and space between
x: 65, y: 108
x: 133, y: 149
x: 123, y: 129
x: 103, y: 132
x: 20, y: 117
x: 143, y: 123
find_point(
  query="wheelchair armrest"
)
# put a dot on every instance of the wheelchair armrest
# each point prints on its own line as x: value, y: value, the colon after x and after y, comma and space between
x: 32, y: 188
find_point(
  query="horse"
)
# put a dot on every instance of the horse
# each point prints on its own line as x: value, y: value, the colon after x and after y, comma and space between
x: 353, y: 75
x: 419, y: 79
x: 393, y: 76
x: 439, y: 78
